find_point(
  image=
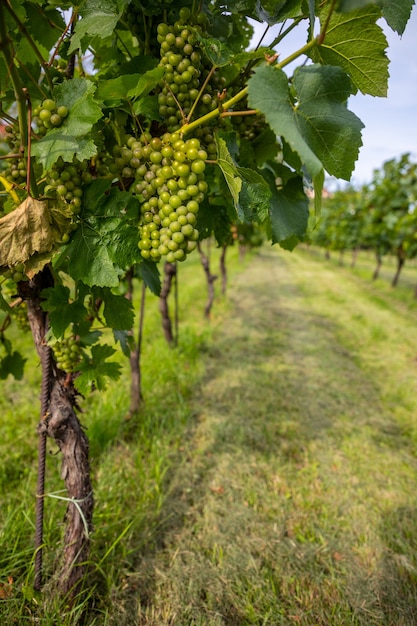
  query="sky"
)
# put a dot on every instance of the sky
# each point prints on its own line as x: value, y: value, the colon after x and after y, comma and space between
x: 391, y: 122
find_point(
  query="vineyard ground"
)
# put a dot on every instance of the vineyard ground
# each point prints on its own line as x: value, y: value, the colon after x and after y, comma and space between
x: 271, y: 477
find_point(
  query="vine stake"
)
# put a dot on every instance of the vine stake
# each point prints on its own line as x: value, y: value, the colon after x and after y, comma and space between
x: 40, y: 488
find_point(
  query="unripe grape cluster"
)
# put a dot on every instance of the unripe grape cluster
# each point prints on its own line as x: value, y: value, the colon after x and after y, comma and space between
x: 66, y: 180
x: 49, y: 115
x: 186, y: 69
x: 247, y: 126
x: 20, y: 316
x: 169, y: 180
x: 68, y: 354
x: 16, y: 171
x: 14, y: 274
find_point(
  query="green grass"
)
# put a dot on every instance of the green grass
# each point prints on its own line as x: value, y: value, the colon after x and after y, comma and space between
x: 270, y: 477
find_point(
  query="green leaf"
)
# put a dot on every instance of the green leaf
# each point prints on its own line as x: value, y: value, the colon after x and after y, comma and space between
x: 13, y: 364
x: 330, y: 129
x: 289, y: 210
x: 106, y: 240
x: 129, y: 85
x: 72, y: 138
x: 146, y: 82
x: 216, y: 51
x: 126, y: 341
x: 99, y: 18
x: 255, y: 196
x: 96, y: 372
x: 4, y: 305
x: 397, y: 13
x: 43, y: 26
x: 273, y: 11
x: 268, y: 92
x: 229, y: 169
x: 150, y: 275
x: 118, y: 311
x: 357, y: 44
x: 61, y: 312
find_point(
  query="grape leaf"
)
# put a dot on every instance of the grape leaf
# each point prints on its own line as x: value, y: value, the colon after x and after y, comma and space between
x: 43, y: 26
x: 118, y: 311
x: 229, y: 169
x: 146, y: 82
x: 106, y: 240
x: 255, y: 196
x: 34, y: 228
x: 95, y: 372
x: 4, y: 305
x: 61, y: 312
x: 13, y: 364
x: 329, y: 128
x: 126, y: 341
x: 268, y: 92
x: 397, y: 13
x: 73, y: 137
x: 289, y: 209
x: 215, y: 50
x: 99, y: 17
x: 150, y: 275
x: 357, y: 44
x: 273, y: 11
x: 129, y: 85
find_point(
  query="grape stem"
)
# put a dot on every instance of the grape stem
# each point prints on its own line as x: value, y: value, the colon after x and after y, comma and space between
x: 61, y: 39
x: 239, y: 113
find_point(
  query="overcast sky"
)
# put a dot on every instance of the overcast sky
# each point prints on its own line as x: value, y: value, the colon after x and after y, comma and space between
x: 390, y: 123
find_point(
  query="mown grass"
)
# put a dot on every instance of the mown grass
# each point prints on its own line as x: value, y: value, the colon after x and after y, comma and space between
x: 271, y: 476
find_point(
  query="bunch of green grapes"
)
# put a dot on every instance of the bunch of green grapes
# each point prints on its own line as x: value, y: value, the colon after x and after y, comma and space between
x: 186, y: 70
x: 20, y: 316
x: 14, y: 274
x: 67, y: 353
x: 12, y: 137
x: 15, y: 171
x: 140, y: 23
x: 168, y: 178
x: 49, y: 115
x: 66, y: 180
x: 247, y: 126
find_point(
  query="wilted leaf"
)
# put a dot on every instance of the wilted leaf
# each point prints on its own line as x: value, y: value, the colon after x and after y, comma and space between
x: 34, y: 228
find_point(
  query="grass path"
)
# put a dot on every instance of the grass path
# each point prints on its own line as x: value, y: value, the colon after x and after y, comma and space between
x: 292, y: 500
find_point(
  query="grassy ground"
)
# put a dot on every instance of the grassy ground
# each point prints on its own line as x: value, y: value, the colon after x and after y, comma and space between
x: 271, y: 477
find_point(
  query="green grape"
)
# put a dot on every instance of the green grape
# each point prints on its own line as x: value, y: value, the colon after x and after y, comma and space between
x: 65, y: 180
x: 68, y: 354
x: 48, y: 115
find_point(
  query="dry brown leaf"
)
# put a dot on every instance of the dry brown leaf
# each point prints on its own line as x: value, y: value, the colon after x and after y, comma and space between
x: 219, y: 489
x: 35, y: 227
x: 6, y: 589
